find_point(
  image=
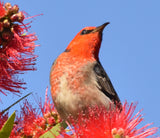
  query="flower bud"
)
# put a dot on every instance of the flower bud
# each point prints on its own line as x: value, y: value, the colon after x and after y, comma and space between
x: 121, y: 131
x: 6, y: 23
x: 14, y: 18
x: 15, y: 28
x: 47, y: 115
x: 8, y: 5
x: 51, y: 121
x: 114, y: 131
x: 20, y: 16
x: 6, y: 35
x: 15, y: 9
x: 118, y: 133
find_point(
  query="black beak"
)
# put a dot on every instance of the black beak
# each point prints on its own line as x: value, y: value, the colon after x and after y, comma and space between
x: 100, y: 28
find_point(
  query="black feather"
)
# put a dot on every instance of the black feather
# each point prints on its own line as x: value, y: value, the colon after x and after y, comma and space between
x: 105, y: 85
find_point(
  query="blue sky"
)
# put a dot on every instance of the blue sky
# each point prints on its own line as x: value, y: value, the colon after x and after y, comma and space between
x: 130, y: 51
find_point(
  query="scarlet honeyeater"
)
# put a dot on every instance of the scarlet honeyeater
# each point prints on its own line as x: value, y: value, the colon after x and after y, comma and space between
x: 77, y: 77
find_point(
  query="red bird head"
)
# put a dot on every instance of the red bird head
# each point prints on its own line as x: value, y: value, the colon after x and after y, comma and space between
x: 87, y: 42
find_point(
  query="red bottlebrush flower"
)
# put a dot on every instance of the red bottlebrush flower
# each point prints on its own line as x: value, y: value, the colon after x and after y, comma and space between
x: 34, y: 122
x: 16, y: 48
x: 49, y: 112
x: 2, y: 10
x: 110, y: 124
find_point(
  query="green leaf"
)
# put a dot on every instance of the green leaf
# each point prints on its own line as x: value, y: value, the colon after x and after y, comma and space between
x: 53, y: 132
x: 7, y: 127
x: 118, y: 136
x: 64, y: 124
x: 15, y: 103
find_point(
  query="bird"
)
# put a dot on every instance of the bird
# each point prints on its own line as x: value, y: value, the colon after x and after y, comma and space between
x: 77, y: 77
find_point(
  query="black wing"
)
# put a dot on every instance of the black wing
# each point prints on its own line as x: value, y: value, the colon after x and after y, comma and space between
x: 105, y: 84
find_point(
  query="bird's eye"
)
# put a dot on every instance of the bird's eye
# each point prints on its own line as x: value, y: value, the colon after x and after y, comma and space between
x: 83, y: 32
x: 86, y: 31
